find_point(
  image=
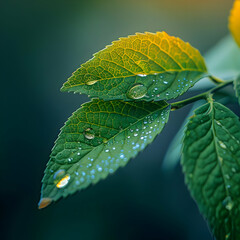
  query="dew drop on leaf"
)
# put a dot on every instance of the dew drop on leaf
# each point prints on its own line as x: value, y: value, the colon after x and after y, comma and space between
x: 63, y: 182
x: 142, y: 75
x: 222, y: 145
x: 91, y: 82
x: 59, y: 174
x: 228, y: 203
x: 137, y: 92
x: 89, y: 134
x: 105, y: 140
x: 227, y: 176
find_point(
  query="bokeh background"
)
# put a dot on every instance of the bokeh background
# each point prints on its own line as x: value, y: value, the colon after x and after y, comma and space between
x: 43, y: 42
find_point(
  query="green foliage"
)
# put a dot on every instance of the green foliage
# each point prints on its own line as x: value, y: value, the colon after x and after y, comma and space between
x: 222, y: 60
x: 97, y: 139
x: 211, y: 164
x: 132, y: 79
x: 144, y: 66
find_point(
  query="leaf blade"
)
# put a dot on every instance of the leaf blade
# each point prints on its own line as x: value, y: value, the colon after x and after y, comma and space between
x: 98, y: 139
x: 234, y: 21
x: 212, y: 171
x: 155, y: 61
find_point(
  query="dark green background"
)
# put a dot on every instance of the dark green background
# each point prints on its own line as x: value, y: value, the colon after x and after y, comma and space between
x: 42, y: 43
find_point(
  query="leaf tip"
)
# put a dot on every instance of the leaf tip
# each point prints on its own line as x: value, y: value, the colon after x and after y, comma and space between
x: 44, y: 202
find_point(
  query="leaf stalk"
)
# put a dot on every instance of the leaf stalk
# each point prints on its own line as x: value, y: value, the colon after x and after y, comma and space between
x: 205, y: 96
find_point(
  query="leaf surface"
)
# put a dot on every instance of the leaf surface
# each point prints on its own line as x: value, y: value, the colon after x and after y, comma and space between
x: 96, y: 140
x: 211, y: 164
x: 237, y: 87
x: 143, y: 66
x: 234, y: 21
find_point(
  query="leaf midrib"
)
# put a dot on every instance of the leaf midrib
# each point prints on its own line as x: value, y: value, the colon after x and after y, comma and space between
x: 134, y: 75
x: 123, y: 130
x: 220, y: 166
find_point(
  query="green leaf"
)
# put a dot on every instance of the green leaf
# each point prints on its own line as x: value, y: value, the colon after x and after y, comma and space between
x: 211, y: 164
x: 97, y: 139
x: 237, y: 87
x: 143, y: 66
x: 223, y: 60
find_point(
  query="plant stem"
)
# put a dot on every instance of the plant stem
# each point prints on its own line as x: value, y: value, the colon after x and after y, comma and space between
x: 205, y: 95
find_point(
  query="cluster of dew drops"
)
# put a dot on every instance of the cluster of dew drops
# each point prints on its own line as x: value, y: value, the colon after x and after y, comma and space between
x: 139, y: 91
x: 113, y: 155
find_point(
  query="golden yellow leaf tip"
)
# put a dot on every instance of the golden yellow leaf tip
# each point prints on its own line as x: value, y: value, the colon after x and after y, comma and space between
x: 44, y: 202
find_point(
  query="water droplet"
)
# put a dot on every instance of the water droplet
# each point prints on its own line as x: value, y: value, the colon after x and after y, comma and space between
x: 44, y: 202
x: 91, y: 82
x: 136, y: 92
x: 142, y: 75
x: 63, y: 182
x: 121, y: 155
x: 89, y: 134
x: 222, y: 145
x: 59, y: 174
x: 165, y: 82
x: 107, y: 150
x: 81, y: 179
x: 105, y: 140
x: 228, y: 203
x: 218, y: 123
x: 99, y: 169
x: 233, y: 170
